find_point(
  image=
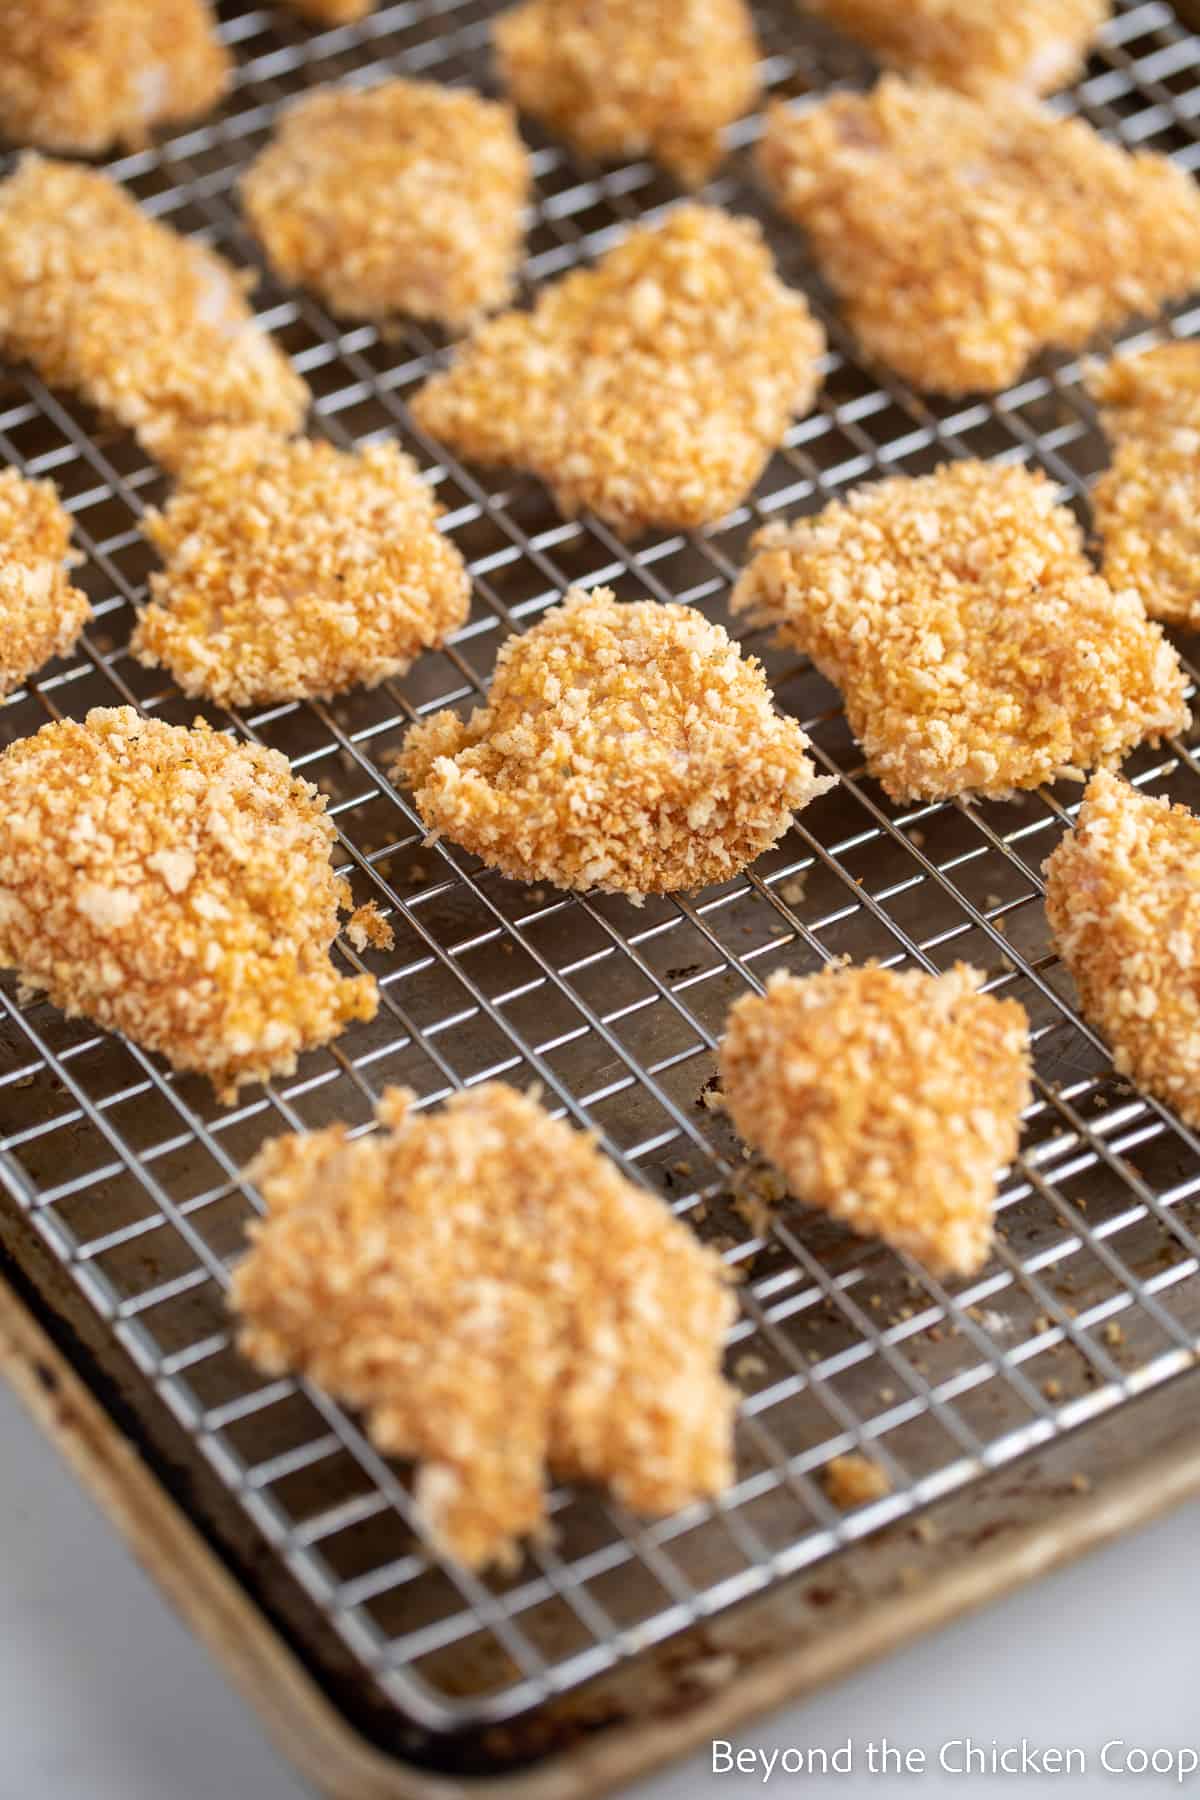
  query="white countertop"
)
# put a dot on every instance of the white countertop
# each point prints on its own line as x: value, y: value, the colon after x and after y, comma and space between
x: 105, y: 1696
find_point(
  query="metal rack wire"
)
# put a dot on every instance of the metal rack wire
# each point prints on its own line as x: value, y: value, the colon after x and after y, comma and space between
x: 131, y: 1175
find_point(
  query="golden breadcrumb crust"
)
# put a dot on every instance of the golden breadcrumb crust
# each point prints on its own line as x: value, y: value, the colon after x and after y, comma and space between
x: 147, y: 326
x: 651, y: 388
x: 854, y: 1480
x: 176, y: 886
x: 331, y: 12
x: 963, y: 237
x: 888, y: 1099
x: 408, y: 198
x: 83, y: 75
x: 622, y: 78
x: 1147, y: 503
x: 295, y: 571
x: 495, y: 1296
x: 976, y: 648
x: 41, y: 614
x: 1032, y: 45
x: 1123, y: 900
x: 630, y: 748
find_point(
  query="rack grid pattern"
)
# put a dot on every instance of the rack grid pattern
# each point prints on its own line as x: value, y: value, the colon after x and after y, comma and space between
x: 132, y: 1175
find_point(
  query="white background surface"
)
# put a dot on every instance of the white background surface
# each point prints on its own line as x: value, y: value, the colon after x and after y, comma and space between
x: 104, y: 1695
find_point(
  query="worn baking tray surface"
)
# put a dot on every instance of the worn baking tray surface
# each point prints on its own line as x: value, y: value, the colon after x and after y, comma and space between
x: 127, y: 1177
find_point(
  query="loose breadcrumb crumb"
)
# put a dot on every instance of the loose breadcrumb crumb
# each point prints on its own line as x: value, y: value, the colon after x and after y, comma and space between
x: 1032, y: 45
x: 500, y: 1302
x: 176, y: 886
x: 366, y: 927
x: 407, y: 198
x: 331, y: 12
x: 148, y: 326
x: 855, y: 1480
x: 41, y: 614
x: 888, y: 1099
x: 1147, y: 504
x: 1123, y: 900
x: 629, y: 748
x: 651, y: 388
x: 83, y: 75
x: 623, y: 78
x: 295, y: 571
x: 976, y: 648
x: 963, y: 237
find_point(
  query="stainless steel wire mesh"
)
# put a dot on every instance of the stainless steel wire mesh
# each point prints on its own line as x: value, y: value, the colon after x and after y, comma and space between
x: 131, y: 1175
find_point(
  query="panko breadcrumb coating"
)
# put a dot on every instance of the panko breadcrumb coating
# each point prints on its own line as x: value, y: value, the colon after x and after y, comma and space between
x: 1147, y: 503
x: 622, y: 78
x: 1031, y: 45
x: 149, y: 327
x: 83, y: 75
x: 629, y: 748
x: 495, y: 1296
x: 963, y: 237
x: 1123, y: 900
x: 295, y: 571
x: 408, y: 198
x: 41, y: 614
x: 176, y: 886
x: 888, y: 1099
x: 651, y: 388
x: 976, y: 648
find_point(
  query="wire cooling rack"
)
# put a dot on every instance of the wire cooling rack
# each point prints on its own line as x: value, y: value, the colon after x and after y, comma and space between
x: 131, y: 1175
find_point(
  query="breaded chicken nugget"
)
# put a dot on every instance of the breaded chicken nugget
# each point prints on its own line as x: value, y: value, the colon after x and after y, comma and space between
x: 41, y: 614
x: 629, y: 748
x: 500, y: 1302
x: 147, y: 326
x: 1147, y: 504
x: 295, y: 571
x: 963, y: 237
x: 1123, y: 900
x: 888, y: 1099
x: 621, y: 78
x: 83, y: 75
x: 1032, y: 45
x: 408, y: 198
x: 652, y: 388
x: 176, y: 886
x: 976, y: 648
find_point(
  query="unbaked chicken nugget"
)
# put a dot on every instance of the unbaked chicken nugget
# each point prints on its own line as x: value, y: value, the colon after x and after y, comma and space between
x: 630, y: 748
x: 147, y: 326
x: 41, y: 614
x: 501, y: 1303
x: 1123, y: 899
x: 83, y: 75
x: 294, y: 570
x: 888, y: 1099
x: 1031, y: 45
x: 176, y: 886
x: 651, y: 388
x: 621, y: 78
x: 1147, y: 503
x: 976, y: 648
x: 407, y: 198
x: 962, y: 237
